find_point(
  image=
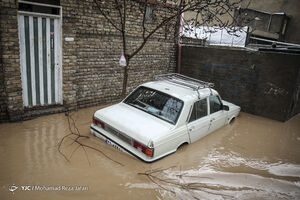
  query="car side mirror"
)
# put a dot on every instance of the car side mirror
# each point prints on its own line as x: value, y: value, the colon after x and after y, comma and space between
x: 225, y: 107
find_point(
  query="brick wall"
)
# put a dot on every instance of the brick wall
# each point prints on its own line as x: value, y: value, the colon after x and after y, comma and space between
x: 91, y: 72
x: 10, y: 78
x: 261, y: 83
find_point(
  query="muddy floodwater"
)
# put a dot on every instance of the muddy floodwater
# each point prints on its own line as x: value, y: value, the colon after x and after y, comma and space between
x: 253, y: 158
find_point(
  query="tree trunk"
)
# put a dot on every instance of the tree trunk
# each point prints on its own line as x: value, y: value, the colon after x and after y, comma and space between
x: 125, y: 77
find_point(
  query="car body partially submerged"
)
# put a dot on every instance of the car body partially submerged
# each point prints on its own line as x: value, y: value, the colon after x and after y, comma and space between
x: 160, y: 116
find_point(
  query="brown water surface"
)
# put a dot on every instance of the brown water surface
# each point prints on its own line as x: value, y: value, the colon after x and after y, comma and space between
x: 253, y: 158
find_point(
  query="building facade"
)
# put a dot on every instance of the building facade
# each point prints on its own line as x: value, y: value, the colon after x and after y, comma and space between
x: 64, y: 55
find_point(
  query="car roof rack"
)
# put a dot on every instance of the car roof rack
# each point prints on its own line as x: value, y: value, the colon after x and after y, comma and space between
x: 182, y: 80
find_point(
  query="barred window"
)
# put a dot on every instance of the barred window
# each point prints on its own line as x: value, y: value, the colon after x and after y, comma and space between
x: 149, y: 13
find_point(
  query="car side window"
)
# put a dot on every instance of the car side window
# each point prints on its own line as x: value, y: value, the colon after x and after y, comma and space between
x: 199, y: 110
x: 215, y: 104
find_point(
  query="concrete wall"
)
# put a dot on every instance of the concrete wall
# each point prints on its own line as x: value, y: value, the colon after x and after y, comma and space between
x: 295, y: 107
x: 261, y: 83
x: 91, y: 72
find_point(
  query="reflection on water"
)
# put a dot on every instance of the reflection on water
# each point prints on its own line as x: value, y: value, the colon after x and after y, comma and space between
x: 253, y: 158
x: 209, y: 184
x: 40, y: 140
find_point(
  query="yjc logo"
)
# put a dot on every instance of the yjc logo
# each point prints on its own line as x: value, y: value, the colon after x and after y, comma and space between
x: 26, y: 188
x: 12, y: 188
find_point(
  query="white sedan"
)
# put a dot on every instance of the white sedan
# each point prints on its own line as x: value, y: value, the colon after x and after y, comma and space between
x: 160, y: 116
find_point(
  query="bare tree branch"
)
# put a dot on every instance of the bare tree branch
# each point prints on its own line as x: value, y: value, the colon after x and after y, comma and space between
x: 143, y: 21
x: 76, y: 137
x: 165, y: 183
x: 165, y: 21
x: 106, y: 17
x: 207, y: 12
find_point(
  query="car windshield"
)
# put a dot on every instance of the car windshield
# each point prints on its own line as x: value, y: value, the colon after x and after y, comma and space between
x: 156, y: 103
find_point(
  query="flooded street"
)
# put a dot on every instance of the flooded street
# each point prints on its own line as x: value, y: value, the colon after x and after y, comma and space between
x: 253, y: 158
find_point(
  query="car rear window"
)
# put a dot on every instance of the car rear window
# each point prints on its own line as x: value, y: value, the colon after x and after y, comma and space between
x: 156, y: 103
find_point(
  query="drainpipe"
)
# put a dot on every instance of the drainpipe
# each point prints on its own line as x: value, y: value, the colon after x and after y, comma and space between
x: 179, y: 43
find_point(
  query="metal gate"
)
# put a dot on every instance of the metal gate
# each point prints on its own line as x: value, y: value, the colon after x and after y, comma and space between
x: 40, y: 58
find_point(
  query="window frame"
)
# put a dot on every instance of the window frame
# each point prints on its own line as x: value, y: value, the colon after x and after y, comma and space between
x: 192, y: 108
x: 219, y: 100
x: 149, y: 12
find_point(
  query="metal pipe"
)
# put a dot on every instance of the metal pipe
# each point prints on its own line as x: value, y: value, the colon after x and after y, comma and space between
x: 283, y: 43
x: 179, y: 43
x: 270, y: 21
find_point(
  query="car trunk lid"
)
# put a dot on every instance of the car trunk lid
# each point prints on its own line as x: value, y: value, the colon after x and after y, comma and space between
x: 133, y: 122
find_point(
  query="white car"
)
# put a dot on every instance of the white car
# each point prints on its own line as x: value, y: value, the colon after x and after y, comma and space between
x: 160, y: 116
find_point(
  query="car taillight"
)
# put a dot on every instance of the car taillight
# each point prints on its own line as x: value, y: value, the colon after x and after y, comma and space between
x: 98, y: 122
x: 146, y: 150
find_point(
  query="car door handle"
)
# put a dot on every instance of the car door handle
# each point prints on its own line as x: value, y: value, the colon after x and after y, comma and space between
x: 213, y: 119
x: 191, y: 128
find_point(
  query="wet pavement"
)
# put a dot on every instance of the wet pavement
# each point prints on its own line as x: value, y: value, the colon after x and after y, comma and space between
x: 253, y: 158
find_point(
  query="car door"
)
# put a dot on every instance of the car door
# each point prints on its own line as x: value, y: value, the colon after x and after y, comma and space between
x: 199, y: 120
x: 217, y: 114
